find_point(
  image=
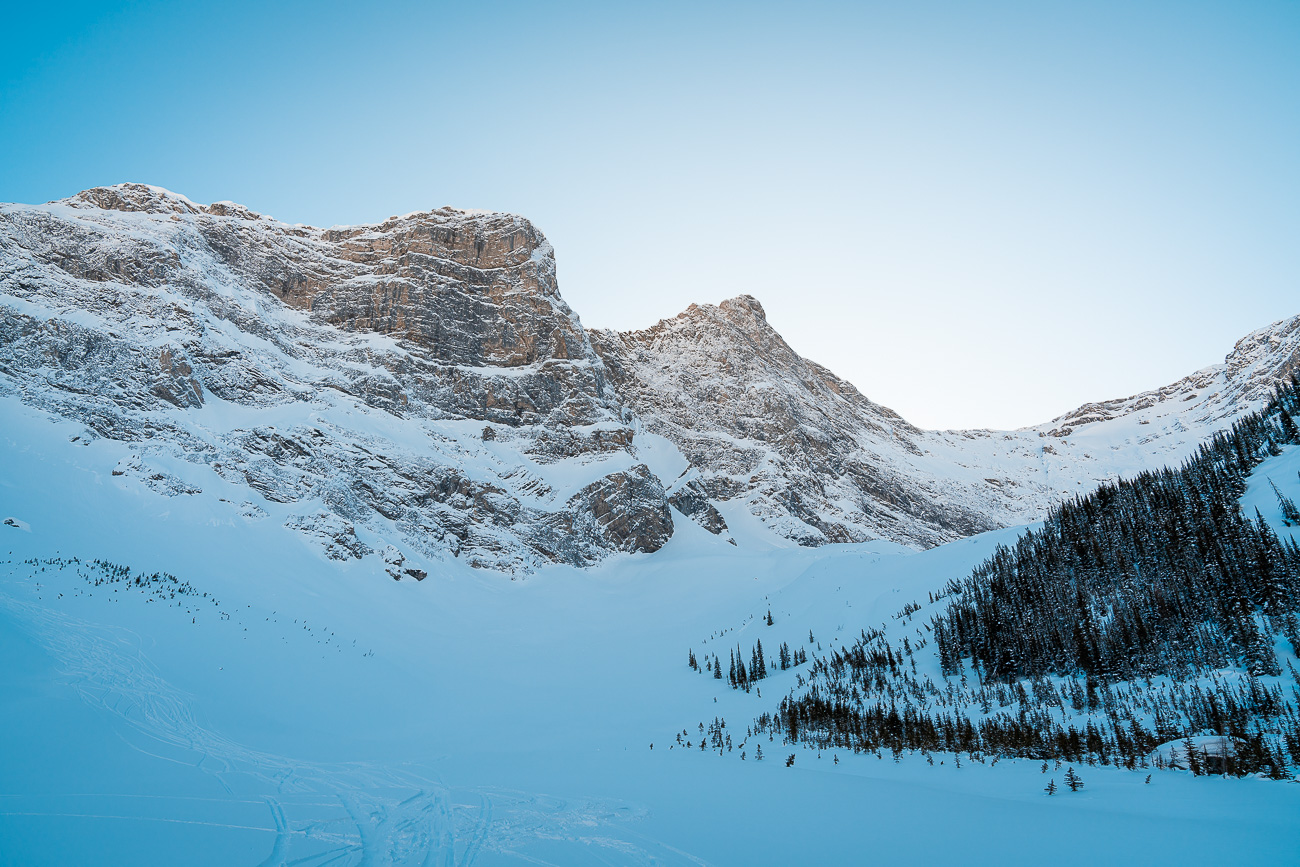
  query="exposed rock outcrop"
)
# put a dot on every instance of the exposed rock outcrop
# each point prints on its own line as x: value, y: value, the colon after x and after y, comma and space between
x: 627, y: 511
x: 692, y: 500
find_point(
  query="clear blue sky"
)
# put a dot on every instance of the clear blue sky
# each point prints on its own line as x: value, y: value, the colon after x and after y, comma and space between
x: 981, y: 214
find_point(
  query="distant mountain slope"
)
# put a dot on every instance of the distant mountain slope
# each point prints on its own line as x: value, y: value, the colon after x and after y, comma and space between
x: 1252, y: 370
x: 819, y: 462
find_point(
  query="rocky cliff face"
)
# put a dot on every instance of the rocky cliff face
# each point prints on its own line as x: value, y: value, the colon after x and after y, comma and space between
x: 420, y: 380
x: 817, y: 462
x: 420, y: 386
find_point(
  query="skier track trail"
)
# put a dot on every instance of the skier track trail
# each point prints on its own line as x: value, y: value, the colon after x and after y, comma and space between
x: 380, y: 814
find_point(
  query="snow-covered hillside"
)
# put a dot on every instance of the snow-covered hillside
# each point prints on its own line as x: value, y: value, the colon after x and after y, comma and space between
x: 222, y: 438
x: 276, y: 706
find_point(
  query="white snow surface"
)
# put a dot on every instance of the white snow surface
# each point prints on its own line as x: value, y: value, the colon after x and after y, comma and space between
x: 314, y: 711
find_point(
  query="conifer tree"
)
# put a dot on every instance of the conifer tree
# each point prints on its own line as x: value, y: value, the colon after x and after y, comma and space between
x: 1290, y: 514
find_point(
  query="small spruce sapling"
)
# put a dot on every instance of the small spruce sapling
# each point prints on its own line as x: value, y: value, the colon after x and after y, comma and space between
x: 1051, y: 787
x: 1193, y: 761
x: 1290, y: 514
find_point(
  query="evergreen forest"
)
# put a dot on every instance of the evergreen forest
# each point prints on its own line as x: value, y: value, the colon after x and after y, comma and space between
x: 1148, y: 611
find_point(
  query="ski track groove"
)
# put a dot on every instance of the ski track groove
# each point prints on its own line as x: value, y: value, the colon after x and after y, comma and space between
x: 107, y: 667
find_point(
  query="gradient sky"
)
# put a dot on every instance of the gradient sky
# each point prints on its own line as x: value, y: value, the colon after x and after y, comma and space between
x: 981, y: 214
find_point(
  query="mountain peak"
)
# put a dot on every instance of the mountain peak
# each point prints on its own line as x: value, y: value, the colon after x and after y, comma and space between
x: 743, y: 311
x: 132, y: 197
x: 191, y: 305
x: 744, y: 304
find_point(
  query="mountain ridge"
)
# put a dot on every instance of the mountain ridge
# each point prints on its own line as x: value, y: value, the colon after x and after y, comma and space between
x: 820, y: 462
x: 420, y: 384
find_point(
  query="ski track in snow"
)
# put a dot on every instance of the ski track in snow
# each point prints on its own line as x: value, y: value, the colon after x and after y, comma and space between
x: 363, y: 814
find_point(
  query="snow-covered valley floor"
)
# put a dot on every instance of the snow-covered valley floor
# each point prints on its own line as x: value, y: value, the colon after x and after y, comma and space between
x: 310, y: 712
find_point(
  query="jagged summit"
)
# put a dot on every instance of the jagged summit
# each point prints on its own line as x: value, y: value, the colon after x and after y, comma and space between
x: 810, y: 455
x: 130, y: 197
x: 735, y: 309
x: 710, y: 337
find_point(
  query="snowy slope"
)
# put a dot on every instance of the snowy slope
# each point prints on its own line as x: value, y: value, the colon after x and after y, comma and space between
x: 313, y: 711
x: 222, y: 438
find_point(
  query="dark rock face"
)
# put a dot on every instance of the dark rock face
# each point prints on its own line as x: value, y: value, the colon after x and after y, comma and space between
x: 626, y: 511
x: 692, y: 501
x: 336, y: 536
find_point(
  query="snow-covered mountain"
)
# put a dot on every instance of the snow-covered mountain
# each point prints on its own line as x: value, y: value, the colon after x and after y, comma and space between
x: 221, y: 436
x: 819, y: 462
x: 416, y: 384
x: 419, y: 387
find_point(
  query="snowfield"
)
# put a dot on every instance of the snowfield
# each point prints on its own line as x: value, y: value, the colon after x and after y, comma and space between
x: 272, y: 706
